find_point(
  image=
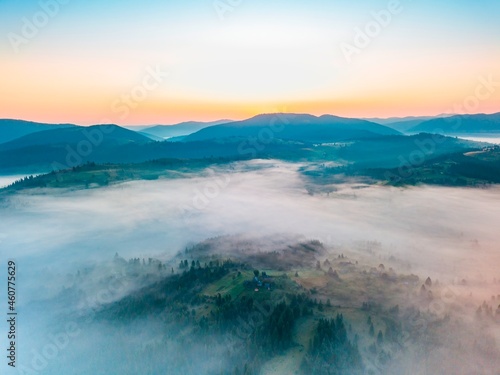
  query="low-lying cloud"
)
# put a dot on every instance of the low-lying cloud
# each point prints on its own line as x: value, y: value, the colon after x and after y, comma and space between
x: 446, y: 233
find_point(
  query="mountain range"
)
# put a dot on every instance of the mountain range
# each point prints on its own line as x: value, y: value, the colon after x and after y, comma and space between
x: 12, y: 129
x: 460, y: 125
x: 296, y: 127
x: 43, y: 147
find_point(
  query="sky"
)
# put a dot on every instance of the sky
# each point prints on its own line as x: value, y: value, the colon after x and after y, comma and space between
x: 161, y: 62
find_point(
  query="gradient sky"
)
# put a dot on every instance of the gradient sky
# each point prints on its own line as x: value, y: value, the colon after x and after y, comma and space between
x: 263, y: 56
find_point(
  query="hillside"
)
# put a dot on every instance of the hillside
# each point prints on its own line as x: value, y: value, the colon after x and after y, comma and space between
x: 304, y: 128
x: 105, y: 135
x: 65, y: 148
x: 461, y: 124
x: 396, y: 150
x: 277, y: 305
x: 91, y: 175
x: 405, y: 125
x: 452, y: 164
x: 45, y: 158
x: 12, y: 129
x: 473, y: 169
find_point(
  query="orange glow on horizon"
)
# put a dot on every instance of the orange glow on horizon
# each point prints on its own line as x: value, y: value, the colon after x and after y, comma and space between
x: 170, y: 112
x: 263, y: 60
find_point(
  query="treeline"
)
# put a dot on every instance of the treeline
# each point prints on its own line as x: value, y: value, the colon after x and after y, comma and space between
x: 25, y: 182
x: 272, y: 332
x: 259, y: 326
x: 169, y: 292
x: 331, y: 352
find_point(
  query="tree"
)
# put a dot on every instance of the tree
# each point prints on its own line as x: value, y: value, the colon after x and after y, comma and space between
x: 305, y: 311
x: 276, y: 333
x: 333, y: 273
x: 372, y: 330
x: 256, y: 273
x: 331, y: 352
x: 380, y: 337
x: 428, y: 281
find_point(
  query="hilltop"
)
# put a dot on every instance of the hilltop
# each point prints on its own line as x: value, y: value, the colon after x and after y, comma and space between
x: 342, y: 310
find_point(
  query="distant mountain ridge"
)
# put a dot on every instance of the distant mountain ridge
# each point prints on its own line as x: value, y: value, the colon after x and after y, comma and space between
x: 297, y: 127
x: 11, y: 129
x: 108, y: 135
x: 393, y: 120
x: 181, y: 129
x: 461, y: 124
x: 404, y: 124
